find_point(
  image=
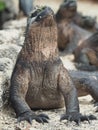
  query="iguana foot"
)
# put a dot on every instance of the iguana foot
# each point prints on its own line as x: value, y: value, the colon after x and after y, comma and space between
x: 29, y: 116
x: 77, y: 117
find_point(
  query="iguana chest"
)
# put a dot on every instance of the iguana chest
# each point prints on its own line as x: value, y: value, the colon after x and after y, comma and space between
x: 43, y: 78
x: 43, y: 87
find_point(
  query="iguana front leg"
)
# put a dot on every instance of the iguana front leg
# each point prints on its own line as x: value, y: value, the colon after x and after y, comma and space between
x: 19, y: 86
x: 69, y: 92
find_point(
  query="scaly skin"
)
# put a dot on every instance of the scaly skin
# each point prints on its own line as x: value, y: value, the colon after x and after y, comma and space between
x: 87, y: 22
x: 86, y: 83
x: 69, y: 33
x: 74, y: 39
x: 86, y: 54
x: 39, y: 79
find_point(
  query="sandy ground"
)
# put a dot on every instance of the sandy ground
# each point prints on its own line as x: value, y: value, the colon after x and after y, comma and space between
x: 7, y: 118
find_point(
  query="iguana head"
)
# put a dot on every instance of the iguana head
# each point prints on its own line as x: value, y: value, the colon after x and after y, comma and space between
x: 67, y: 10
x: 41, y: 16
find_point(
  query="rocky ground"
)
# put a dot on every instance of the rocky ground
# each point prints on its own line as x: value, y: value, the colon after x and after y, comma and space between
x: 11, y: 40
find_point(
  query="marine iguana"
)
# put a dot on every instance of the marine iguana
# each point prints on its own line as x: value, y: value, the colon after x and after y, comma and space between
x: 85, y: 21
x: 39, y: 79
x: 86, y: 54
x: 69, y: 33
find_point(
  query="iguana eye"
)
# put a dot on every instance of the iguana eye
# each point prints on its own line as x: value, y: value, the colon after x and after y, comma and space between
x: 39, y: 17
